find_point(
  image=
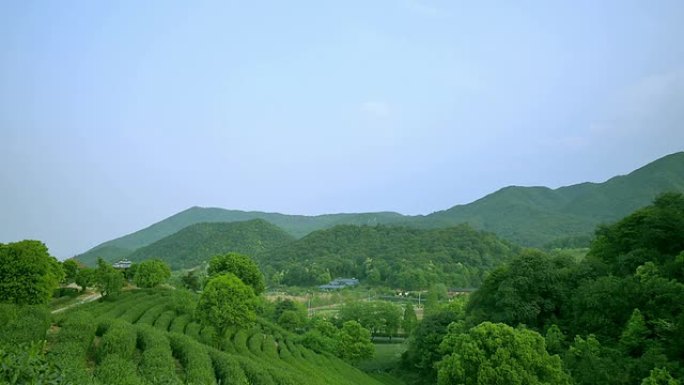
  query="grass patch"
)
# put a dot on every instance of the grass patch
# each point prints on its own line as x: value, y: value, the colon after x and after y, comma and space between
x: 385, y: 359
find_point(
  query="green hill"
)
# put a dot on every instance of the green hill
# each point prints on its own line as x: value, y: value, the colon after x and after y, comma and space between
x: 197, y: 243
x: 295, y: 225
x: 533, y: 216
x: 395, y: 256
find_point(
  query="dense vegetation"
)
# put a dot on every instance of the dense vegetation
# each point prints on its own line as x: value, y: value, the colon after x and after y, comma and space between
x: 530, y: 216
x: 614, y: 318
x: 197, y: 243
x: 392, y: 256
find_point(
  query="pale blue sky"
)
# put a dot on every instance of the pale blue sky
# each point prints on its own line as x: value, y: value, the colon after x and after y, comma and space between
x: 114, y: 115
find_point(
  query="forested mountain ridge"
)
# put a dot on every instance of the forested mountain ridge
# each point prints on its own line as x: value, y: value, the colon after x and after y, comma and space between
x: 531, y: 216
x: 395, y: 256
x: 295, y: 225
x: 197, y: 243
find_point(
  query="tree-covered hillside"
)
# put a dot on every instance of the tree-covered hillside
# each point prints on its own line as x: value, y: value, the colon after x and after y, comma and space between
x: 395, y: 256
x: 295, y: 225
x: 534, y: 216
x: 199, y: 242
x: 615, y: 317
x: 530, y: 216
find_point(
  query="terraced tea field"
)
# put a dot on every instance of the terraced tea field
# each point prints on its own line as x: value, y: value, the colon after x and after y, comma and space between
x: 145, y: 337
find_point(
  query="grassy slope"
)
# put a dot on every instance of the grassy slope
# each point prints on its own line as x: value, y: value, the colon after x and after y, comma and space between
x: 528, y: 215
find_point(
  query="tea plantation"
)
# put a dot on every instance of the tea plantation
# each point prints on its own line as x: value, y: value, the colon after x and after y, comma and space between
x: 147, y: 337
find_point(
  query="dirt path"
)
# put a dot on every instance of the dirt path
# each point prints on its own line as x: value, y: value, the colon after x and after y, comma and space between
x: 85, y: 299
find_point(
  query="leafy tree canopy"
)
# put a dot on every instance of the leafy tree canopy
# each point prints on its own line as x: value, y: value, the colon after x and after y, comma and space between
x: 226, y: 301
x: 240, y: 265
x: 28, y: 274
x: 354, y: 343
x: 108, y: 280
x: 498, y: 354
x: 151, y: 273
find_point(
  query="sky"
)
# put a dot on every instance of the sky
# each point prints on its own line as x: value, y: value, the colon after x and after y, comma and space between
x: 117, y: 114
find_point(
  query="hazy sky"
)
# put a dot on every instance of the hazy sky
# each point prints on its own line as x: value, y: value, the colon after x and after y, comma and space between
x: 117, y: 114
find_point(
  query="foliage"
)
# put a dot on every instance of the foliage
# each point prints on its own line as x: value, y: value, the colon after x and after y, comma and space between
x: 28, y: 274
x: 354, y: 342
x: 191, y: 280
x: 85, y: 278
x: 378, y: 317
x: 23, y: 324
x: 496, y: 353
x: 226, y: 301
x: 423, y: 350
x: 409, y: 320
x: 394, y: 256
x: 70, y: 268
x: 659, y: 376
x: 197, y: 243
x: 241, y: 266
x: 26, y: 364
x: 108, y: 280
x: 653, y: 233
x: 151, y: 273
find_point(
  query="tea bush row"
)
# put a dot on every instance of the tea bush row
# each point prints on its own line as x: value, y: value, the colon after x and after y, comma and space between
x: 194, y: 358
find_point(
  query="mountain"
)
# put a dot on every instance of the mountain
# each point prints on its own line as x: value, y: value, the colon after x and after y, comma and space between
x: 531, y: 216
x: 295, y: 225
x: 534, y: 216
x: 395, y: 256
x: 197, y: 243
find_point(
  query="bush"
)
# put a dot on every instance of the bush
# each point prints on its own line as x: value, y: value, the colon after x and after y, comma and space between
x: 192, y: 330
x: 228, y: 370
x: 120, y: 339
x: 164, y: 320
x: 26, y: 364
x: 70, y: 345
x: 255, y: 373
x: 156, y: 363
x: 152, y: 314
x: 23, y: 324
x: 194, y: 358
x: 116, y: 370
x: 179, y: 324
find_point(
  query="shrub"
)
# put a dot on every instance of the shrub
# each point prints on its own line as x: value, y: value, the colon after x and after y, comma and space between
x: 164, y: 320
x: 156, y: 362
x: 26, y: 364
x: 152, y: 314
x: 23, y: 324
x: 120, y: 339
x: 194, y: 358
x: 179, y: 323
x: 116, y: 370
x: 228, y: 370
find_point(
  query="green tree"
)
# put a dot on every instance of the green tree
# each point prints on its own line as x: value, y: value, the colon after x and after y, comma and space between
x: 226, y: 301
x: 410, y: 320
x: 589, y: 363
x: 28, y: 274
x: 240, y: 265
x: 555, y: 339
x: 659, y: 376
x: 71, y: 269
x: 85, y: 278
x: 498, y: 354
x: 151, y: 273
x: 634, y: 336
x: 108, y: 280
x: 191, y: 281
x: 354, y: 343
